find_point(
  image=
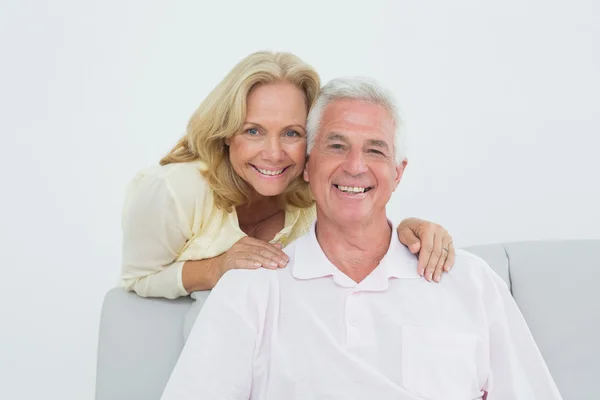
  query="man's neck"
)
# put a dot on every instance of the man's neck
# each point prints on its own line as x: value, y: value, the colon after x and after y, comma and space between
x: 355, y: 249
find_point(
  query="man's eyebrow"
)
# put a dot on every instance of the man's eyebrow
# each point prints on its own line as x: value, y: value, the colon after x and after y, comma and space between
x: 378, y: 143
x: 337, y: 136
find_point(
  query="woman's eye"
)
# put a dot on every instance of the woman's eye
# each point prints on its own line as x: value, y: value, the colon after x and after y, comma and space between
x: 252, y: 131
x: 292, y: 133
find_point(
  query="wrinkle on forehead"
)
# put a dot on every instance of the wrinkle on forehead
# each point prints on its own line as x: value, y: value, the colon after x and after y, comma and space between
x: 352, y: 116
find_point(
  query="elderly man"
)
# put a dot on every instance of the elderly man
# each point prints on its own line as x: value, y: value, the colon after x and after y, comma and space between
x: 347, y: 319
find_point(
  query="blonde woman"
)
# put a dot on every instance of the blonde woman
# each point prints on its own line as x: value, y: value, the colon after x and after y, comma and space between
x: 230, y: 194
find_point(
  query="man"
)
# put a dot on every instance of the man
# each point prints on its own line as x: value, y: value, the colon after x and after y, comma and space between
x: 350, y: 318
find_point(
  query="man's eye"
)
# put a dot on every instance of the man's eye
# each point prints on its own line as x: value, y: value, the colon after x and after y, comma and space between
x: 337, y: 146
x: 376, y: 152
x: 252, y: 131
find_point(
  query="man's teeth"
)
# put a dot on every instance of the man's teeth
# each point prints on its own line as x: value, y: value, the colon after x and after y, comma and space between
x: 351, y: 189
x: 267, y: 172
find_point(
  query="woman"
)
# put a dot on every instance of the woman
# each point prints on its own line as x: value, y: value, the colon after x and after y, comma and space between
x: 231, y: 194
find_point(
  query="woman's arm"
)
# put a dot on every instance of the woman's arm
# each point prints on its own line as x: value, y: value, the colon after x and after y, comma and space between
x: 246, y: 253
x: 202, y: 274
x: 157, y: 220
x: 155, y: 230
x: 432, y: 242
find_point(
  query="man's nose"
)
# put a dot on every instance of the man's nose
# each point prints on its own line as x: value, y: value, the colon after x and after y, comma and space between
x: 355, y: 163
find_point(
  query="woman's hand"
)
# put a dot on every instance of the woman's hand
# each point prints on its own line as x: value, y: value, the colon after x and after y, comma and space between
x: 432, y: 242
x: 251, y: 253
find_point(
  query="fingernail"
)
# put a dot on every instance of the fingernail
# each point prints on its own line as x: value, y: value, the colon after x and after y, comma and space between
x: 274, y: 264
x: 437, y: 279
x: 429, y: 276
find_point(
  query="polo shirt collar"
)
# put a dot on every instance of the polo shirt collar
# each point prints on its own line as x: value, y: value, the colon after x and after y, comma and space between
x: 310, y: 262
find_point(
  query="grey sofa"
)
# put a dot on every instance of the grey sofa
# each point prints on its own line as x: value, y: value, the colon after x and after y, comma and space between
x: 554, y: 284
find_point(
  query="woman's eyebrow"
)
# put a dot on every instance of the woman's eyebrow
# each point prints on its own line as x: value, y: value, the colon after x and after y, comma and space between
x: 252, y: 123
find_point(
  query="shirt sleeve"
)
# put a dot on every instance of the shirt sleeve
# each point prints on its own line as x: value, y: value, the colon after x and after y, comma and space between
x: 517, y: 368
x: 156, y: 225
x: 217, y: 360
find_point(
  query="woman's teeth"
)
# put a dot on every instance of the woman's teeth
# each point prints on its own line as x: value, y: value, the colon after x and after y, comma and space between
x: 267, y: 172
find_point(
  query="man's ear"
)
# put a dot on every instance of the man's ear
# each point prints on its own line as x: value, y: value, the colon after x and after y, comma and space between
x: 305, y: 172
x: 399, y: 171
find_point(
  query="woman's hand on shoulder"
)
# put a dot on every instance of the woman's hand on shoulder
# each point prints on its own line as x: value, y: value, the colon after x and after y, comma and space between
x: 432, y: 242
x: 251, y: 253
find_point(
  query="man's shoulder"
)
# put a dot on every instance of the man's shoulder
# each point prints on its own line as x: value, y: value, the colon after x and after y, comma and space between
x: 246, y: 285
x: 469, y: 260
x: 472, y: 267
x: 466, y: 265
x: 247, y: 277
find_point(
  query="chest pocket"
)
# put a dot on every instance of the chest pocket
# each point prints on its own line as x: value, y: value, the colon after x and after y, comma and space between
x: 440, y: 364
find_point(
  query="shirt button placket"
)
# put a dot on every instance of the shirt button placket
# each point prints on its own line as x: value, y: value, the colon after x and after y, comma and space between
x: 352, y: 331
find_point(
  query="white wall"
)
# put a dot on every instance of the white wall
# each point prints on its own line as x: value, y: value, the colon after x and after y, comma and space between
x: 501, y: 99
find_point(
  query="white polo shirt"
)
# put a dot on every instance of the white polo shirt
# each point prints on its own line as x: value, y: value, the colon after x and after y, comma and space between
x: 310, y: 332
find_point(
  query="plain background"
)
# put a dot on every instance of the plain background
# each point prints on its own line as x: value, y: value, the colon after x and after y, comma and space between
x: 501, y: 100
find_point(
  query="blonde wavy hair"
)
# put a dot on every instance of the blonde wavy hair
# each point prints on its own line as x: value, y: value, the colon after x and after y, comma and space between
x: 222, y: 114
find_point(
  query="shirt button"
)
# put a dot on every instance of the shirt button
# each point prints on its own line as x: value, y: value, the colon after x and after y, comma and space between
x: 353, y: 322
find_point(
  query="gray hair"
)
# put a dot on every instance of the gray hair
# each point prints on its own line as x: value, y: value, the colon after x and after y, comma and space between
x: 361, y: 89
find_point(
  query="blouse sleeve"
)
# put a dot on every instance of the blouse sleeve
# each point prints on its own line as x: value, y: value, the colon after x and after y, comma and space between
x: 157, y: 223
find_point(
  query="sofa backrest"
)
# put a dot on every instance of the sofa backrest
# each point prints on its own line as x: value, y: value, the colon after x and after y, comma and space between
x: 554, y: 284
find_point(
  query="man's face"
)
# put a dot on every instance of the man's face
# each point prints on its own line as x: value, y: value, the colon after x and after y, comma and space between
x: 351, y: 168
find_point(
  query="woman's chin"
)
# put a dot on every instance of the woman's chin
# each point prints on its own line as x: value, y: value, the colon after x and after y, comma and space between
x: 269, y: 192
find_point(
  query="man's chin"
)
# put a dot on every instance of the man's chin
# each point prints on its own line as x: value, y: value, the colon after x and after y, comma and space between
x: 351, y: 217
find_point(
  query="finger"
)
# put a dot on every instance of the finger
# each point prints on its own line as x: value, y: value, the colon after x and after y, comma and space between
x: 245, y: 263
x: 450, y: 259
x: 409, y: 239
x: 427, y: 240
x: 251, y: 260
x: 277, y: 253
x: 434, y: 258
x: 271, y: 255
x: 439, y: 268
x: 270, y: 259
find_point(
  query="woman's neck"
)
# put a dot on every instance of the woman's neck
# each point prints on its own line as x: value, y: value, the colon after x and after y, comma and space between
x: 259, y: 209
x: 262, y: 218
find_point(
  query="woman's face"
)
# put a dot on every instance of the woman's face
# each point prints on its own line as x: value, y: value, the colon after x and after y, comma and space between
x: 270, y: 151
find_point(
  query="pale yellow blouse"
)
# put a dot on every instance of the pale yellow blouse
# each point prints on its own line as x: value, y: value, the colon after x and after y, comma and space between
x: 169, y: 217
